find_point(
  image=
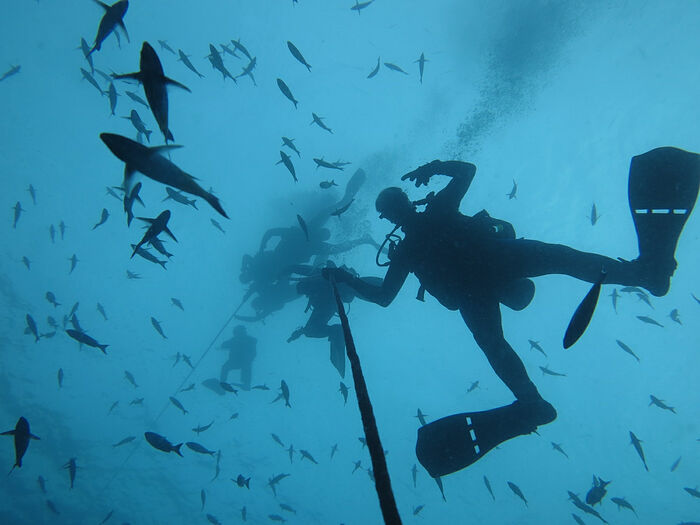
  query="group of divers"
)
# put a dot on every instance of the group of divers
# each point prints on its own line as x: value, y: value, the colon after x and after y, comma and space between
x: 470, y: 264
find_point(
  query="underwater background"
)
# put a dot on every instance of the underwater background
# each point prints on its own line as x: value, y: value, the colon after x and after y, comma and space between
x: 554, y: 96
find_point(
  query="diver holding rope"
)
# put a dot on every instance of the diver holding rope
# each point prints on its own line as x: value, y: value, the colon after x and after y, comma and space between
x: 475, y: 264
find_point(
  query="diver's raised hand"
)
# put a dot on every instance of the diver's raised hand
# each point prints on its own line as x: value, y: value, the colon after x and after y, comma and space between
x: 422, y: 175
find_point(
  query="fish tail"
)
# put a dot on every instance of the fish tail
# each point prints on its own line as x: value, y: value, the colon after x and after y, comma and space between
x: 162, y: 263
x: 169, y: 136
x: 102, y: 347
x: 214, y: 203
x: 176, y: 449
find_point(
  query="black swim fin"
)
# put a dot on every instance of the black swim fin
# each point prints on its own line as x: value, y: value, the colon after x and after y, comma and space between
x: 663, y: 187
x: 455, y: 442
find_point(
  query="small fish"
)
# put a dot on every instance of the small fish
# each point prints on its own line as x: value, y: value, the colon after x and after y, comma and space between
x: 320, y: 163
x: 302, y: 225
x: 73, y: 263
x: 649, y: 320
x: 199, y: 429
x: 203, y: 497
x: 101, y: 309
x: 516, y: 490
x: 623, y: 503
x: 488, y: 486
x: 327, y: 184
x: 199, y: 448
x: 277, y: 440
x: 421, y: 63
x: 338, y: 212
x: 394, y: 67
x: 113, y: 17
x: 145, y: 254
x: 137, y: 401
x: 290, y: 450
x: 52, y: 507
x: 72, y: 468
x: 164, y: 45
x: 319, y: 122
x: 261, y: 387
x: 674, y: 316
x: 660, y: 403
x: 129, y: 198
x: 10, y: 72
x: 577, y: 519
x: 136, y: 98
x: 212, y: 519
x: 637, y: 444
x: 696, y: 299
x: 187, y: 388
x: 557, y: 447
x: 536, y: 346
x: 547, y: 371
x: 114, y: 405
x: 597, y: 492
x: 185, y: 59
x: 473, y: 387
x: 276, y: 517
x: 218, y: 63
x: 62, y: 228
x: 107, y: 517
x: 51, y: 298
x: 176, y: 302
x: 27, y: 262
x: 216, y: 225
x: 22, y: 435
x: 18, y: 212
x: 626, y: 349
x: 357, y: 465
x: 417, y: 509
x: 42, y: 484
x: 334, y: 449
x: 585, y: 508
x: 228, y: 387
x: 675, y: 464
x: 242, y: 481
x: 88, y: 76
x: 175, y: 402
x: 59, y: 377
x: 307, y: 455
x: 297, y: 54
x: 244, y: 513
x: 240, y: 47
x: 157, y: 327
x: 85, y: 339
x: 594, y: 215
x: 233, y: 416
x: 124, y: 441
x: 693, y: 492
x: 130, y: 378
x: 286, y: 91
x: 287, y: 161
x: 375, y: 70
x: 136, y: 121
x: 112, y: 95
x: 272, y: 483
x: 344, y: 392
x: 359, y: 6
x: 290, y: 144
x: 583, y: 314
x: 132, y: 275
x: 187, y: 361
x: 161, y: 443
x: 288, y: 508
x: 421, y: 417
x: 615, y: 297
x: 644, y: 297
x: 284, y: 394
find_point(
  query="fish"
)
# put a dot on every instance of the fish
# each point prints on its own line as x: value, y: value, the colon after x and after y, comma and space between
x: 626, y: 349
x: 583, y: 314
x: 18, y: 212
x: 138, y: 124
x: 307, y: 455
x: 132, y: 275
x: 185, y: 59
x: 159, y: 246
x: 290, y: 144
x: 228, y: 50
x: 375, y: 70
x: 112, y: 94
x: 319, y: 122
x: 327, y: 184
x: 42, y: 484
x: 74, y: 310
x: 674, y: 316
x: 344, y: 392
x: 198, y: 448
x: 513, y: 191
x: 10, y: 72
x: 85, y: 339
x: 637, y: 444
x: 113, y: 17
x: 557, y: 447
x: 199, y: 429
x: 72, y: 469
x: 286, y: 91
x: 22, y: 436
x: 284, y: 394
x: 320, y: 163
x: 176, y: 302
x: 212, y: 519
x: 203, y: 497
x: 52, y: 507
x: 288, y: 508
x: 421, y: 64
x: 516, y: 490
x: 218, y: 63
x: 339, y: 211
x: 276, y: 517
x: 615, y: 297
x: 243, y: 513
x: 248, y: 70
x: 51, y: 298
x: 488, y: 486
x: 124, y: 441
x: 27, y: 262
x: 675, y: 464
x: 107, y: 517
x: 357, y: 465
x: 59, y: 377
x: 155, y: 83
x: 260, y: 387
x: 297, y: 54
x: 597, y: 492
x: 228, y: 387
x: 164, y: 45
x: 216, y: 225
x: 129, y: 198
x: 75, y: 323
x: 32, y: 194
x: 187, y: 389
x: 114, y: 405
x: 101, y: 309
x: 693, y: 492
x: 110, y: 191
x: 186, y: 359
x: 421, y: 417
x: 594, y: 215
x: 177, y: 196
x: 644, y: 297
x: 130, y: 378
x: 240, y: 47
x: 73, y: 263
x: 141, y: 252
x: 414, y: 472
x: 649, y: 320
x: 161, y: 443
x: 359, y: 6
x: 287, y: 161
x: 622, y: 503
x: 577, y: 519
x: 136, y: 401
x: 175, y: 402
x: 417, y: 509
x: 547, y: 371
x: 473, y: 387
x: 272, y: 483
x: 156, y: 167
x: 88, y: 76
x: 62, y: 228
x: 103, y: 218
x: 660, y: 403
x: 394, y: 67
x: 157, y: 226
x: 242, y: 481
x: 585, y: 508
x: 302, y: 225
x: 696, y: 299
x: 277, y: 440
x: 136, y: 98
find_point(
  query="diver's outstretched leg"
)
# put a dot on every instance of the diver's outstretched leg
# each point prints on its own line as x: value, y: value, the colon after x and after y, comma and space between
x: 225, y: 370
x: 246, y: 375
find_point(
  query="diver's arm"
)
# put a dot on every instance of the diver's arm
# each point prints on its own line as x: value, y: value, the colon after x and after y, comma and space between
x: 462, y: 174
x: 382, y: 294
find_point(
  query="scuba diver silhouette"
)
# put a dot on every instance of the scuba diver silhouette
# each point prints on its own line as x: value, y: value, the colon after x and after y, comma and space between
x: 241, y: 355
x: 474, y: 264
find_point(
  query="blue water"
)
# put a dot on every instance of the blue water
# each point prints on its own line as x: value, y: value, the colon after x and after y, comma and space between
x: 556, y: 96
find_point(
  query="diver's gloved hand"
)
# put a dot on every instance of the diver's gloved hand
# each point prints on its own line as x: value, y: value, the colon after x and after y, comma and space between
x: 422, y: 175
x: 340, y: 275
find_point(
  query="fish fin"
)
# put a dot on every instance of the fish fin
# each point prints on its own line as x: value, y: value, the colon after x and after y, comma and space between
x: 32, y: 436
x: 123, y: 27
x: 104, y: 6
x: 214, y: 203
x: 102, y: 347
x: 8, y: 433
x: 133, y: 76
x: 170, y: 234
x: 172, y: 82
x: 166, y: 147
x: 146, y: 219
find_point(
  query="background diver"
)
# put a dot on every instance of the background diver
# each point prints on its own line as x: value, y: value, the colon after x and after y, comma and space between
x: 474, y: 264
x: 242, y: 352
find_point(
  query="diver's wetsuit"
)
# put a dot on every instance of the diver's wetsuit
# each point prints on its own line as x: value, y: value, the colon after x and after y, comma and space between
x: 472, y: 264
x: 242, y: 353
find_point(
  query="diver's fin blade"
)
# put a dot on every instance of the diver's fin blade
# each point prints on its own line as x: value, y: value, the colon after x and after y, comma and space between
x: 338, y: 355
x: 454, y: 442
x: 214, y: 385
